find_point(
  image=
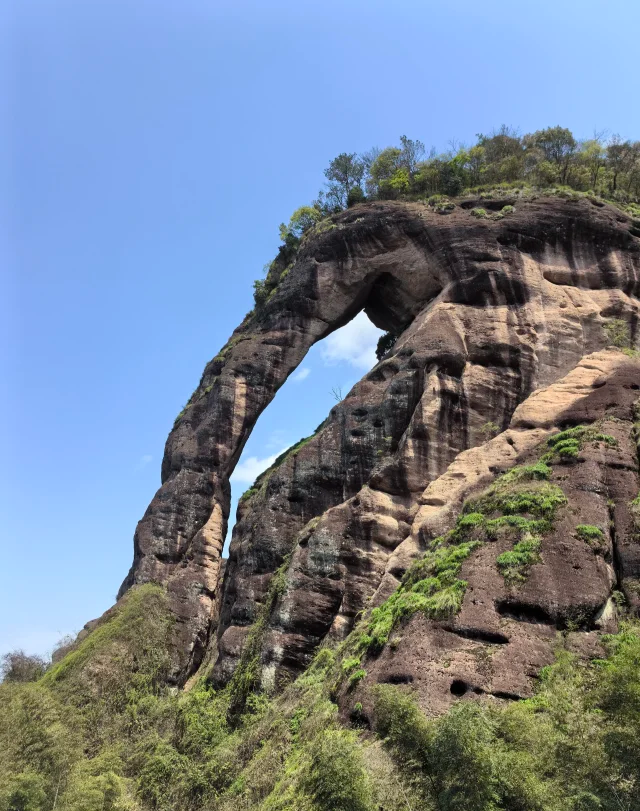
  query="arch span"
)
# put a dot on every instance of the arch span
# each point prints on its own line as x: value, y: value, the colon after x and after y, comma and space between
x: 415, y: 272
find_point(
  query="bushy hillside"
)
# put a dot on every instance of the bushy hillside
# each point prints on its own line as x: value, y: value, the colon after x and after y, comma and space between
x: 101, y: 731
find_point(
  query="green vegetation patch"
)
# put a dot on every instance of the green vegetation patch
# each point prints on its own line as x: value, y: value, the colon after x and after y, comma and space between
x: 489, y: 430
x: 430, y: 585
x: 538, y: 499
x: 496, y: 528
x: 386, y: 342
x: 573, y: 746
x: 618, y: 333
x: 577, y: 738
x: 591, y: 535
x: 514, y: 563
x: 65, y: 738
x: 221, y: 356
x: 499, y: 215
x: 199, y: 393
x: 130, y: 643
x: 357, y: 677
x: 183, y: 411
x: 246, y: 677
x: 522, y: 503
x: 503, y: 166
x: 566, y: 445
x: 538, y: 471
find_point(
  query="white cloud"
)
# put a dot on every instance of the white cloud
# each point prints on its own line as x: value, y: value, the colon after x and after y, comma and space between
x: 143, y: 461
x: 302, y: 374
x: 355, y: 343
x: 249, y: 469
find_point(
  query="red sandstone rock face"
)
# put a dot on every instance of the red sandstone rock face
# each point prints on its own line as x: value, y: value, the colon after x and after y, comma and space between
x: 505, y: 634
x: 490, y: 313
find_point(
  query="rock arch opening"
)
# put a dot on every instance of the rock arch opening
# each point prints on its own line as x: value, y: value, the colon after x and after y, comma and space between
x: 324, y: 377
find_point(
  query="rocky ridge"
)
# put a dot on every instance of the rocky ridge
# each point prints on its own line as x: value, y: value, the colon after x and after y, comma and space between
x: 502, y: 325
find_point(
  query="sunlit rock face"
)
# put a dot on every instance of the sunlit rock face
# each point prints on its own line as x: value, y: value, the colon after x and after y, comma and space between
x: 489, y: 313
x: 505, y: 632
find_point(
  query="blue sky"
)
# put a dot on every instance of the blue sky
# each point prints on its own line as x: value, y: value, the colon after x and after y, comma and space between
x: 148, y: 152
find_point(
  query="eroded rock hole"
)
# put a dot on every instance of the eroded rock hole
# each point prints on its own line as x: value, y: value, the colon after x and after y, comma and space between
x: 458, y: 687
x: 482, y: 635
x: 399, y: 678
x: 524, y: 612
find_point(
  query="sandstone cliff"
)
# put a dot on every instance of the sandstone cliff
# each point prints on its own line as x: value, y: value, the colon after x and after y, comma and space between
x: 504, y: 328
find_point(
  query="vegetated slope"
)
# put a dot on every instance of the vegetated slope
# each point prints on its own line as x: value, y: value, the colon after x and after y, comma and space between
x: 103, y: 731
x: 431, y: 601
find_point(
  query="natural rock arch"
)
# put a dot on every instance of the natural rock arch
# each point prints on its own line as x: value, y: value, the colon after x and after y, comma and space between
x: 484, y: 317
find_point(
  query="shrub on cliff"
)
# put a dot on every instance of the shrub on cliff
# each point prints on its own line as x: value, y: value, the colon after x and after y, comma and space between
x: 355, y: 196
x: 337, y: 779
x: 18, y: 666
x: 385, y: 343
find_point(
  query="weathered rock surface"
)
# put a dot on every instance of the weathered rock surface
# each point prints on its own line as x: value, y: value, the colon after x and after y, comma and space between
x: 504, y: 634
x: 491, y: 314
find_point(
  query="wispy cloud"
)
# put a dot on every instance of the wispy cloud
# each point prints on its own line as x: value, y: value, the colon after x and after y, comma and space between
x: 302, y: 374
x: 277, y: 439
x: 143, y: 461
x: 249, y: 469
x: 355, y: 343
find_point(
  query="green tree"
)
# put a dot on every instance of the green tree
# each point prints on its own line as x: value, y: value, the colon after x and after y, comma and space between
x: 558, y: 146
x: 462, y: 760
x: 37, y: 737
x: 337, y: 780
x: 26, y: 792
x: 451, y: 180
x: 344, y: 173
x: 501, y: 144
x: 618, y: 696
x: 621, y: 156
x: 383, y: 168
x: 385, y: 343
x: 18, y: 666
x: 301, y: 221
x: 633, y: 172
x: 503, y: 155
x: 411, y: 153
x: 355, y: 196
x: 476, y: 162
x: 96, y: 785
x: 593, y: 155
x: 427, y: 179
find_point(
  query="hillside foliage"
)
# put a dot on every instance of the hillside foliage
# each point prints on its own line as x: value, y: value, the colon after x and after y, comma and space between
x: 101, y: 730
x: 551, y: 157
